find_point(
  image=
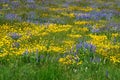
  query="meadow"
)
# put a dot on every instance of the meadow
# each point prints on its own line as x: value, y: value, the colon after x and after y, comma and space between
x: 59, y: 40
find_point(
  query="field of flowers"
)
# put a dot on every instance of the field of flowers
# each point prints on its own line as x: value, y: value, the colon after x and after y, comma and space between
x: 59, y: 39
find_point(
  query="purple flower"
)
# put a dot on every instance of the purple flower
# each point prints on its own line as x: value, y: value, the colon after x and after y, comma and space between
x: 89, y: 47
x: 32, y: 6
x: 83, y: 16
x: 30, y: 1
x: 85, y: 46
x: 95, y: 15
x: 78, y: 46
x: 95, y: 30
x: 31, y: 15
x: 10, y: 16
x: 15, y: 36
x: 4, y: 1
x: 114, y: 26
x: 66, y: 4
x: 15, y: 4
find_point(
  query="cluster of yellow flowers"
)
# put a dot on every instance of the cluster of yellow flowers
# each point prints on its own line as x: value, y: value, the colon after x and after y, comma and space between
x: 44, y: 15
x: 114, y: 59
x: 57, y: 9
x: 70, y: 59
x: 58, y: 28
x: 71, y: 15
x: 5, y: 5
x: 19, y: 37
x: 83, y: 22
x: 77, y: 30
x: 115, y: 35
x: 72, y: 8
x: 86, y: 9
x: 98, y: 26
x: 105, y: 46
x: 74, y: 35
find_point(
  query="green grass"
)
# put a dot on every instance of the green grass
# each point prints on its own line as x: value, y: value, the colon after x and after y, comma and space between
x: 17, y: 69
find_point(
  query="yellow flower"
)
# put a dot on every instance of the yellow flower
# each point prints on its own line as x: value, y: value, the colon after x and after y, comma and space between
x: 61, y: 60
x: 82, y: 22
x: 71, y: 15
x: 74, y: 35
x: 115, y: 34
x: 44, y: 15
x: 79, y: 63
x: 114, y: 59
x: 5, y: 5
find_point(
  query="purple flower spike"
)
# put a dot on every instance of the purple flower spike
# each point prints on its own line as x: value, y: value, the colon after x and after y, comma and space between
x: 4, y: 1
x: 30, y: 1
x: 85, y: 46
x: 10, y: 16
x: 15, y: 36
x: 15, y: 4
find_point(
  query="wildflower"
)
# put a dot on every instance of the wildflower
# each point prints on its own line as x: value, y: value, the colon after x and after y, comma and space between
x: 85, y: 46
x: 32, y: 6
x: 10, y: 16
x: 15, y: 4
x: 74, y: 36
x: 61, y: 60
x: 114, y: 59
x: 4, y: 1
x: 31, y: 15
x: 95, y: 30
x: 30, y: 1
x: 85, y: 16
x: 15, y: 36
x: 79, y: 63
x: 78, y: 46
x: 115, y: 34
x: 82, y: 22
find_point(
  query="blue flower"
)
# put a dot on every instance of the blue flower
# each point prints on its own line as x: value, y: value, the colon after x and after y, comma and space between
x: 10, y: 16
x: 15, y: 4
x: 30, y: 1
x: 32, y: 6
x: 15, y: 36
x: 4, y: 1
x: 85, y: 46
x: 31, y: 15
x: 85, y: 16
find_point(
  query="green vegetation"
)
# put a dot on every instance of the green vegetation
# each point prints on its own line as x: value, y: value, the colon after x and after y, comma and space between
x: 59, y: 40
